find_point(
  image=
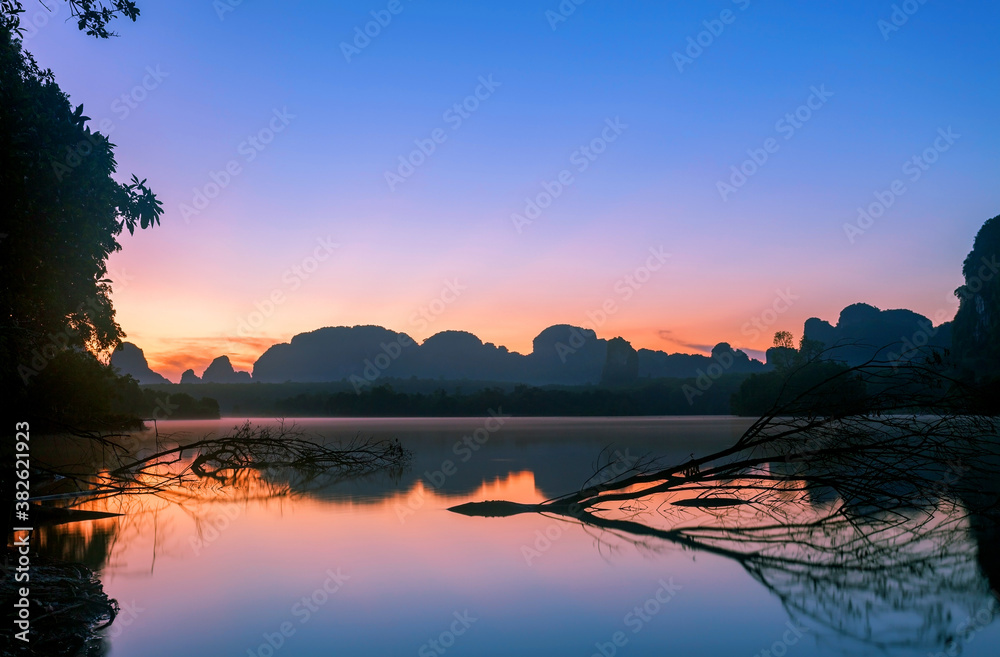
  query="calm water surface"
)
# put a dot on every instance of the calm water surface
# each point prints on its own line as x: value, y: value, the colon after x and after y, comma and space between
x: 380, y: 567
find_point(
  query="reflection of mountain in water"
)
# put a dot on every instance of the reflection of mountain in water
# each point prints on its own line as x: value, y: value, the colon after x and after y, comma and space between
x: 901, y: 580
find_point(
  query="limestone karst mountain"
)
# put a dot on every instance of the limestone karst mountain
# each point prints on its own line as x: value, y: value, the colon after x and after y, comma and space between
x: 222, y: 371
x: 128, y: 359
x: 864, y: 331
x: 561, y: 355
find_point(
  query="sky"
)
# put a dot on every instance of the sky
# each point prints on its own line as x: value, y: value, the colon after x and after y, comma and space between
x: 676, y: 173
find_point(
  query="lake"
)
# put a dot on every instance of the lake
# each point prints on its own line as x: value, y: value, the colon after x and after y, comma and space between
x: 379, y: 566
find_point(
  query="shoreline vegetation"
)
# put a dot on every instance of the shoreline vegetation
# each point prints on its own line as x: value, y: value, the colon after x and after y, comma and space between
x: 430, y: 398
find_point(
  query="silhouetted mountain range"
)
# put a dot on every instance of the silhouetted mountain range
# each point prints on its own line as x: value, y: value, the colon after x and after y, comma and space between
x: 863, y: 332
x: 977, y: 323
x: 129, y: 359
x: 222, y: 371
x: 660, y: 365
x: 560, y: 355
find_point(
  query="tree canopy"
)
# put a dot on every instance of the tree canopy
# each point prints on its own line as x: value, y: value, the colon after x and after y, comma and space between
x: 92, y: 16
x: 976, y: 333
x: 63, y: 213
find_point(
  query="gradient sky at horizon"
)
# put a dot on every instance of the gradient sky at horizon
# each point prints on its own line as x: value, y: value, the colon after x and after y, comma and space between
x: 183, y: 289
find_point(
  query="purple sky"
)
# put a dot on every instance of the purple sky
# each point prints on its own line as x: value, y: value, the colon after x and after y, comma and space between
x: 394, y: 179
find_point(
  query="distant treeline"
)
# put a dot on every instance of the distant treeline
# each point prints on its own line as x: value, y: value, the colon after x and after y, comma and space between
x: 175, y: 406
x: 726, y: 394
x: 413, y: 398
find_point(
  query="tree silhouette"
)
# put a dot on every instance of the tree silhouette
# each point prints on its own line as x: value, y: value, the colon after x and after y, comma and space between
x: 92, y: 16
x: 63, y: 214
x: 976, y: 334
x: 784, y: 340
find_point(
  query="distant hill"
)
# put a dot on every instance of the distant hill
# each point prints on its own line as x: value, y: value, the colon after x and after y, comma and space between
x: 560, y: 355
x: 977, y: 323
x: 222, y: 371
x: 129, y: 360
x: 862, y: 331
x: 190, y: 377
x: 659, y: 365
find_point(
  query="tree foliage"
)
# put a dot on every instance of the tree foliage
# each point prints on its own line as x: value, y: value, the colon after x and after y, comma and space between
x: 816, y: 384
x: 92, y: 16
x: 976, y: 333
x: 784, y: 339
x: 62, y: 216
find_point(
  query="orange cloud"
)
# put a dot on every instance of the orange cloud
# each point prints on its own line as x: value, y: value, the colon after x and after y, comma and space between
x: 172, y: 356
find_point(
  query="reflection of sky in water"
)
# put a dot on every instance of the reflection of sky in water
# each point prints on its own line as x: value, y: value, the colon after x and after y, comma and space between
x: 412, y: 565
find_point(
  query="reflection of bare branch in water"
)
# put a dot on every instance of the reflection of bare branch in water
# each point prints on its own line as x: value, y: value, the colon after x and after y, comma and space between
x: 207, y: 479
x: 250, y: 453
x: 858, y: 520
x: 257, y: 465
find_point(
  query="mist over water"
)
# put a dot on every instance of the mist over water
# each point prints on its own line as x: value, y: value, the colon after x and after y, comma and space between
x: 327, y: 567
